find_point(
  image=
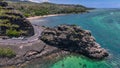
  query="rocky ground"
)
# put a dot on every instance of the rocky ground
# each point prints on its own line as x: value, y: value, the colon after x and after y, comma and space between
x: 63, y: 39
x: 72, y: 38
x: 28, y: 52
x: 24, y: 51
x: 60, y: 40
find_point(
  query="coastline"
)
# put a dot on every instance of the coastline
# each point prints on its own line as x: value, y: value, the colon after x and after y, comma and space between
x: 37, y: 17
x: 34, y: 56
x: 51, y: 15
x: 29, y: 53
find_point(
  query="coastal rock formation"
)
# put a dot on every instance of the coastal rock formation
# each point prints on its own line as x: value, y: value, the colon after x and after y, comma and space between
x: 26, y: 54
x: 13, y: 23
x: 3, y: 4
x: 74, y: 39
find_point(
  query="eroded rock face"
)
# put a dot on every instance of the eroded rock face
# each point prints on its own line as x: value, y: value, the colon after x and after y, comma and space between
x: 73, y: 38
x: 14, y: 18
x: 3, y: 4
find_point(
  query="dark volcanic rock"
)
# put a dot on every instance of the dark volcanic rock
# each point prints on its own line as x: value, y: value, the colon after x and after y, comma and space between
x: 16, y: 18
x: 3, y: 4
x: 73, y: 38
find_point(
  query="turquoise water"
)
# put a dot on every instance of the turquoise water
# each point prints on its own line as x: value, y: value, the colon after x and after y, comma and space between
x: 79, y: 62
x: 105, y: 27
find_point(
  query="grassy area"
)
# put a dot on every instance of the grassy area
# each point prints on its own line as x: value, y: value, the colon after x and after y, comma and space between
x: 7, y: 52
x: 13, y: 32
x: 13, y: 23
x: 8, y: 24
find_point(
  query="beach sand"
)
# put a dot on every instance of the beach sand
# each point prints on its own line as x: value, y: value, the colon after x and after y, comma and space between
x: 37, y: 17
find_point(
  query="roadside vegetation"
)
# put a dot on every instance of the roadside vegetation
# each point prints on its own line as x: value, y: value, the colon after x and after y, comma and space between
x: 7, y: 52
x: 39, y: 9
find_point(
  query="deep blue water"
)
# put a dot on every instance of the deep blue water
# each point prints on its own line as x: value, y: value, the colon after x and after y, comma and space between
x: 105, y: 27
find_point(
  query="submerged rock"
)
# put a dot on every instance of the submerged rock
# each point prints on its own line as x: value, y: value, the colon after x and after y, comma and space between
x: 74, y: 39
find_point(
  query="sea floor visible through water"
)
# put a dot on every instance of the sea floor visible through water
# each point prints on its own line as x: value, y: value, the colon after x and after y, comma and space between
x: 105, y: 27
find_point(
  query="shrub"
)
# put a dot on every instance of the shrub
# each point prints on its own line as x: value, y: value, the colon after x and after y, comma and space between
x: 7, y: 52
x: 27, y: 15
x: 12, y: 32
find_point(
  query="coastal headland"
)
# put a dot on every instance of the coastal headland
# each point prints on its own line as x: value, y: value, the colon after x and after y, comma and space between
x: 38, y: 41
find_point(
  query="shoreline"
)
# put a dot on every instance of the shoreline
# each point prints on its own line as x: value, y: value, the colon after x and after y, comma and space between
x: 32, y: 56
x: 26, y: 54
x: 50, y: 15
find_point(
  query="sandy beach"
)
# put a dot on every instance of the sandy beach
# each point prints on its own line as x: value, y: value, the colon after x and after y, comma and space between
x: 37, y: 17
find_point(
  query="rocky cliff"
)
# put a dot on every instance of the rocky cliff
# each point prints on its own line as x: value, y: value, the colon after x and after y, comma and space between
x: 74, y: 39
x: 13, y: 23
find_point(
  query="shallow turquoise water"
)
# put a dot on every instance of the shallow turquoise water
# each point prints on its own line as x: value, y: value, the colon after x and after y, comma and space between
x: 104, y: 25
x: 79, y: 62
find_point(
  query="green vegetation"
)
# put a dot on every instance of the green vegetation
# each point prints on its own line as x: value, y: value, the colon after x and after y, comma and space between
x: 37, y: 9
x: 7, y: 52
x: 12, y: 22
x: 13, y: 32
x: 6, y: 23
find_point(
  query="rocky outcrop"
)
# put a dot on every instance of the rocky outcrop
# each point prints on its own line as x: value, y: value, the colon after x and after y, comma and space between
x: 74, y: 39
x: 13, y: 19
x: 24, y: 54
x: 3, y: 4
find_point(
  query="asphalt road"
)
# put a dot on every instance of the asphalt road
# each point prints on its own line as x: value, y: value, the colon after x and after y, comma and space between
x: 37, y: 30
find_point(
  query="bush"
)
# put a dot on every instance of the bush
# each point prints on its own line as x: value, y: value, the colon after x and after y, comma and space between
x: 13, y: 33
x: 27, y: 15
x: 7, y: 52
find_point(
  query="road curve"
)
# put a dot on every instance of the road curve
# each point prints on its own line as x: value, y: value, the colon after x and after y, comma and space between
x: 37, y: 30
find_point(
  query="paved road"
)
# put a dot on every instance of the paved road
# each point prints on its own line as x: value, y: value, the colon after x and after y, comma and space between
x: 37, y: 30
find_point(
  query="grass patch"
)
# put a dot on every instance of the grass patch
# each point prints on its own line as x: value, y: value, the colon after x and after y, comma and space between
x: 7, y: 52
x: 14, y: 33
x: 10, y: 23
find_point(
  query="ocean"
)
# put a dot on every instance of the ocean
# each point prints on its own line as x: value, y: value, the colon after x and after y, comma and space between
x: 104, y: 25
